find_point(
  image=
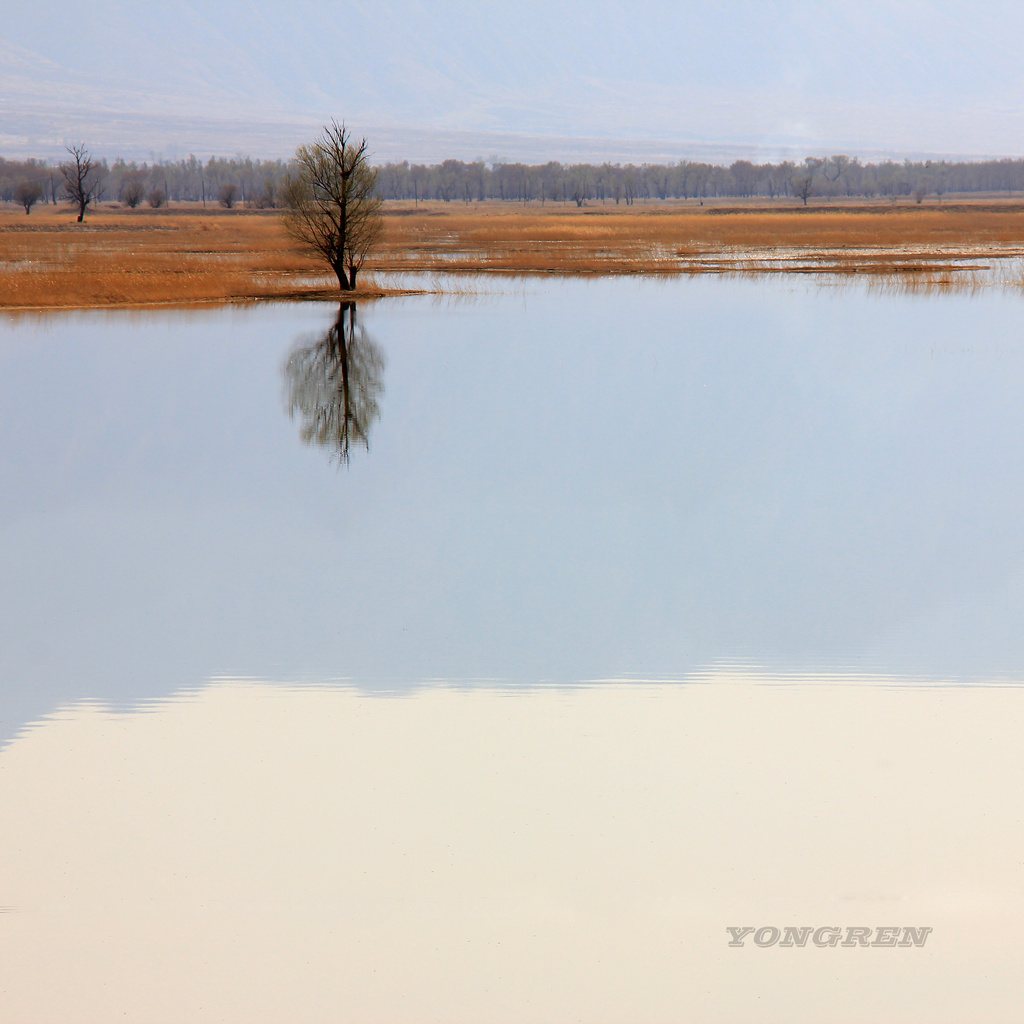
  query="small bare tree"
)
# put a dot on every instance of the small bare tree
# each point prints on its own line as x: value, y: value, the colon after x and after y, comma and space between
x: 580, y: 188
x: 83, y: 179
x: 133, y: 192
x: 803, y: 186
x: 28, y: 193
x: 157, y: 198
x: 228, y: 195
x: 331, y: 202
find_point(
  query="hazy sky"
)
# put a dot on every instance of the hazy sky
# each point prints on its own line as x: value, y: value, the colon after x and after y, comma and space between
x: 431, y: 79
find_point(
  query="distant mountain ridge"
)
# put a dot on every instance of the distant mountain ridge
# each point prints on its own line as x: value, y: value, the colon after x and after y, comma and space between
x: 763, y: 80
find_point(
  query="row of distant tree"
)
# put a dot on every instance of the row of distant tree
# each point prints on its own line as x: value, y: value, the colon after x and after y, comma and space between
x: 259, y: 183
x: 228, y: 182
x: 838, y: 175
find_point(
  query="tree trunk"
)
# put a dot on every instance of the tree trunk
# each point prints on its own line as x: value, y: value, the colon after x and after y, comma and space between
x: 343, y: 282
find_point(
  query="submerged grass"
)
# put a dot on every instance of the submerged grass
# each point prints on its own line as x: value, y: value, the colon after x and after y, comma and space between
x: 186, y: 254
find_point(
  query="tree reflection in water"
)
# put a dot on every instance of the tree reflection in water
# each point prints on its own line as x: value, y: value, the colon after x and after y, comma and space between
x: 334, y: 385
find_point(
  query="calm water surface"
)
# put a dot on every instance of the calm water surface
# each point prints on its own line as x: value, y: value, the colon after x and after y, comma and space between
x: 425, y: 664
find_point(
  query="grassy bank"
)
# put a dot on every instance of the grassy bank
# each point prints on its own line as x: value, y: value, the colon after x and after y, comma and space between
x: 187, y: 254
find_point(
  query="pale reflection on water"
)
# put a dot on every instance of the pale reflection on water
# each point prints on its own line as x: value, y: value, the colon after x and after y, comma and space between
x: 267, y: 853
x: 617, y: 479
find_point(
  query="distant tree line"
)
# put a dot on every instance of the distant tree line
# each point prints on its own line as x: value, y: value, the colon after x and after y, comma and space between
x: 259, y: 184
x: 839, y: 175
x: 218, y: 181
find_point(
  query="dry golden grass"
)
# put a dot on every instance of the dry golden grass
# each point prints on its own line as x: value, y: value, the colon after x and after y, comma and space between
x: 186, y: 255
x: 671, y: 238
x: 125, y: 258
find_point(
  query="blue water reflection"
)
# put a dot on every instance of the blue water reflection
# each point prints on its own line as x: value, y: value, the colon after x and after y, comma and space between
x: 568, y: 481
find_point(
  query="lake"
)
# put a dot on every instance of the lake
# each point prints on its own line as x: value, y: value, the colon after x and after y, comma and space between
x: 489, y: 657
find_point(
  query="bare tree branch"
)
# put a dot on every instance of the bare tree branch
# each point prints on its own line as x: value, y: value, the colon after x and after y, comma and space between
x: 83, y: 179
x: 331, y: 202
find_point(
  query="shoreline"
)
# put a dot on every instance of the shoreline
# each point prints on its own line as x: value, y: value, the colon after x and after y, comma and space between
x: 186, y: 257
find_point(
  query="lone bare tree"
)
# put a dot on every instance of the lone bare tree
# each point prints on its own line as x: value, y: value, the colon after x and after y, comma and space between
x: 803, y: 186
x: 331, y: 202
x: 28, y: 193
x: 83, y: 179
x: 133, y: 191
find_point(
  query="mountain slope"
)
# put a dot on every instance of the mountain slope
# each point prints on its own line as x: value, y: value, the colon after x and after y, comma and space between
x: 770, y: 75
